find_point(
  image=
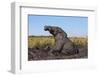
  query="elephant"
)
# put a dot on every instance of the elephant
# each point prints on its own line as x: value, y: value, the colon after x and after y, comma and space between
x: 63, y: 45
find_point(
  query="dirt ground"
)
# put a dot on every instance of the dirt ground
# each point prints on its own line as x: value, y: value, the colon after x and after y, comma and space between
x: 39, y: 53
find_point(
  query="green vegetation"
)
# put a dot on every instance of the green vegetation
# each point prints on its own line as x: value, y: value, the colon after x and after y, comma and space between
x: 38, y: 41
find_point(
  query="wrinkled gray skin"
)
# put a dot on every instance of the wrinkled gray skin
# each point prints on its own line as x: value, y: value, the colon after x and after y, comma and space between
x: 62, y: 43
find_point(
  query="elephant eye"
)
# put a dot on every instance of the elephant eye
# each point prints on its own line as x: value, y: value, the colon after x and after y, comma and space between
x: 59, y: 30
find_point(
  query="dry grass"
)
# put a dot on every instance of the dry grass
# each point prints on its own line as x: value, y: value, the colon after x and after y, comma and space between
x: 81, y: 41
x: 38, y: 41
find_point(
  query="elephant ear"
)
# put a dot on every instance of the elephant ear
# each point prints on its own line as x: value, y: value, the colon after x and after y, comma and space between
x: 62, y: 32
x: 59, y: 30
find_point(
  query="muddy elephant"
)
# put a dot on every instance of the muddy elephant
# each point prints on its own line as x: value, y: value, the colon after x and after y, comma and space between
x: 62, y: 43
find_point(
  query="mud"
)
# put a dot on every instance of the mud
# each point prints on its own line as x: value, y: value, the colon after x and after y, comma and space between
x: 39, y: 53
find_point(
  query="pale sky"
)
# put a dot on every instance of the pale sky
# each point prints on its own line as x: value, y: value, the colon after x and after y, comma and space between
x: 73, y: 25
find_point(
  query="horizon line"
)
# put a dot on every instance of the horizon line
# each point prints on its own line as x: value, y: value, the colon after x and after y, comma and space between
x: 51, y: 35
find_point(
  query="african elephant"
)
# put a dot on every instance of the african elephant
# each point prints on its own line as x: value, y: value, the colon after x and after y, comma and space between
x: 62, y: 43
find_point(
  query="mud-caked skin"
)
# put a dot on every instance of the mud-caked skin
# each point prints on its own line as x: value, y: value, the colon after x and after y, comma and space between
x: 62, y: 43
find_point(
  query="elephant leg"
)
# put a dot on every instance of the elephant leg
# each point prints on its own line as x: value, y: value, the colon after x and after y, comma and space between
x: 57, y: 48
